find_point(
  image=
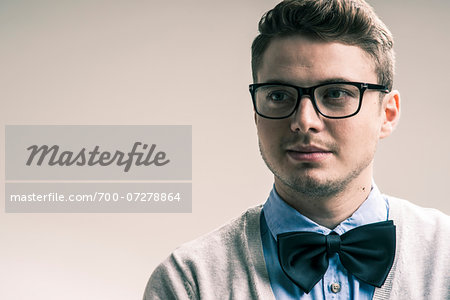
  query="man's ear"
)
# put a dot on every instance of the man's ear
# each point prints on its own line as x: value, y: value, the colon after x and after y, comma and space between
x: 256, y: 118
x: 391, y: 113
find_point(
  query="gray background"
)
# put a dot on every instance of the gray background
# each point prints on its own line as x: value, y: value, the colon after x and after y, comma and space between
x: 182, y: 62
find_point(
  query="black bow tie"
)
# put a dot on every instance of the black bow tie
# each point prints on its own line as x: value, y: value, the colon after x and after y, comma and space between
x: 367, y: 252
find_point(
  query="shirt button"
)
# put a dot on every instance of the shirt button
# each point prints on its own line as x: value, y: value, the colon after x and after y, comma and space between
x: 335, y: 287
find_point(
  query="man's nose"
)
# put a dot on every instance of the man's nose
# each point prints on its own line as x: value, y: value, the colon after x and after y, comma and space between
x: 306, y: 118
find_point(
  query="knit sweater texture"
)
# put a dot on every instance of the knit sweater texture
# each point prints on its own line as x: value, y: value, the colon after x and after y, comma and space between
x: 228, y: 263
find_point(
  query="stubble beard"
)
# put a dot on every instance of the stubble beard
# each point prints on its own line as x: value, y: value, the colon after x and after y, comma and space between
x: 311, y: 187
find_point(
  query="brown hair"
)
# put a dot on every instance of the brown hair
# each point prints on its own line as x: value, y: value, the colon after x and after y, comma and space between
x: 351, y: 22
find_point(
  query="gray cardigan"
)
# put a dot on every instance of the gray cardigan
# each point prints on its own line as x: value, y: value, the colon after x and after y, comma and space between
x: 228, y: 263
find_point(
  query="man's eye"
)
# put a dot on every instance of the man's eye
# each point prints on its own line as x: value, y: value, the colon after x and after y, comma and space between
x: 278, y: 96
x: 336, y: 94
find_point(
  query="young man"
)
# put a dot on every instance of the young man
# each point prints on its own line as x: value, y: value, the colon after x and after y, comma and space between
x: 323, y: 99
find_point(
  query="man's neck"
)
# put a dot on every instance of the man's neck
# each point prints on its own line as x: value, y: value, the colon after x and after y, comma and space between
x: 327, y: 211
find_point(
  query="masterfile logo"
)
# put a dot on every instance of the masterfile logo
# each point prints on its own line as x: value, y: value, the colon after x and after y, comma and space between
x: 70, y: 152
x: 90, y: 158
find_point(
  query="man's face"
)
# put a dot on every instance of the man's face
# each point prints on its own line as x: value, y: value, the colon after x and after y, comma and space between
x: 307, y: 152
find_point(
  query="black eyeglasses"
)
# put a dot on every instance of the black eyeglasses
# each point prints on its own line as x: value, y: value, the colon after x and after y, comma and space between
x: 336, y: 100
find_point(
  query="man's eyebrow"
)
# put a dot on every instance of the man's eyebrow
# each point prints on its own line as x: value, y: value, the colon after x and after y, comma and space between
x: 327, y: 80
x: 277, y: 81
x: 335, y: 79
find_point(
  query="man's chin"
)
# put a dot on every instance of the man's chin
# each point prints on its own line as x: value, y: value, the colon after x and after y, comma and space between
x: 312, y: 186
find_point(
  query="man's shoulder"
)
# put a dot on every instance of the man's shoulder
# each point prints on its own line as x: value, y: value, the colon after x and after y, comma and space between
x: 203, y: 266
x: 223, y: 239
x: 421, y: 256
x: 424, y: 229
x: 413, y: 215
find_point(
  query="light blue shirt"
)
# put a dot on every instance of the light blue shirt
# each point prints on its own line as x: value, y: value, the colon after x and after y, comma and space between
x: 278, y: 217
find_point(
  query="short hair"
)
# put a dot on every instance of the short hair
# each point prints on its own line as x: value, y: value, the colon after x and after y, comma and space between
x: 351, y: 22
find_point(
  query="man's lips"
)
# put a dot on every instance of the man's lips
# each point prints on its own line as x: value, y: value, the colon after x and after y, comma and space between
x: 308, y: 153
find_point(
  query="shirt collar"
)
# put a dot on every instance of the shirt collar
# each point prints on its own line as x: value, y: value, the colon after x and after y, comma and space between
x: 281, y: 217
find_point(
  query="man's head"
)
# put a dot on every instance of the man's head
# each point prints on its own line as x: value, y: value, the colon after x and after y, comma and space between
x: 351, y: 22
x: 309, y: 43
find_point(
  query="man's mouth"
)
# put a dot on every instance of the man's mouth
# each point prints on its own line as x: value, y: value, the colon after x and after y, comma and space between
x: 308, y: 153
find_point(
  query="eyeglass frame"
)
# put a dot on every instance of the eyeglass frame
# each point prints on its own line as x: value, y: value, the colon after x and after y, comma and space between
x: 309, y: 91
